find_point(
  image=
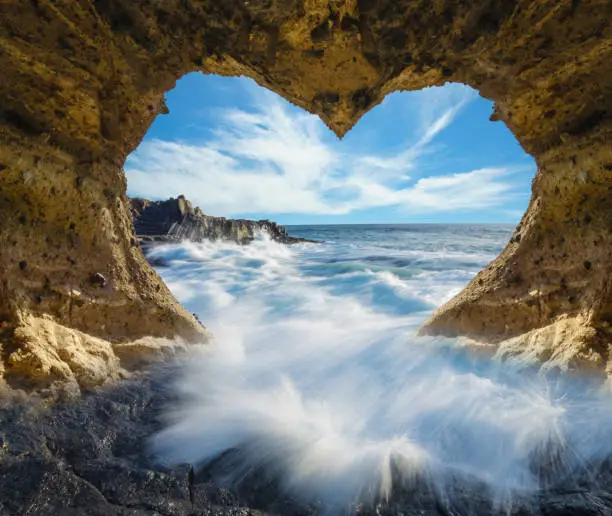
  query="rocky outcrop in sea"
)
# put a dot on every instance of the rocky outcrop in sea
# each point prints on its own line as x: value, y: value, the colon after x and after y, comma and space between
x: 177, y: 219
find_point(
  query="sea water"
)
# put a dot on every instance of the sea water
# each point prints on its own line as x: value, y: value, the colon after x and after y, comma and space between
x: 316, y: 372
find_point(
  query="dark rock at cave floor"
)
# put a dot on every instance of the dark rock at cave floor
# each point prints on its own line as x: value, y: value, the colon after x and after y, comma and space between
x: 91, y: 456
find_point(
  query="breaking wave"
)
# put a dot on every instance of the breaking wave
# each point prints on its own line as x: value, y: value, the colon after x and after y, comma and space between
x: 316, y: 380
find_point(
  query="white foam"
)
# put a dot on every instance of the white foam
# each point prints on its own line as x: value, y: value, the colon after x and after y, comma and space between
x: 332, y: 390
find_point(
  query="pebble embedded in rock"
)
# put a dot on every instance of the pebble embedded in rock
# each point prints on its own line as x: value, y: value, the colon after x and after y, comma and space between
x: 98, y: 279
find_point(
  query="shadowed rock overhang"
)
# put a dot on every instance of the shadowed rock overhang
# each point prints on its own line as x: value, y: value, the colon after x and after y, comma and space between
x: 82, y: 80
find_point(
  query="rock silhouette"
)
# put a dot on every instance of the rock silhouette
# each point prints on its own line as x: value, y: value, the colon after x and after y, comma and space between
x: 176, y: 219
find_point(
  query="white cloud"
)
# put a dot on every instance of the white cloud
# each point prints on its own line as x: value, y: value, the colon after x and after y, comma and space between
x: 279, y: 160
x: 459, y: 191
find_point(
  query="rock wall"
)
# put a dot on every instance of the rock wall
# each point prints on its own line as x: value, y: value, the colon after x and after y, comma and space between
x: 82, y: 80
x: 176, y: 219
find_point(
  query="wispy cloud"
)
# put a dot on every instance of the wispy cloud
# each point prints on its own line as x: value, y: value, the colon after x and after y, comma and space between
x: 276, y: 159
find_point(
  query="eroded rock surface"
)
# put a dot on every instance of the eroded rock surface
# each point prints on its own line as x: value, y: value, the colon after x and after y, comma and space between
x: 82, y: 80
x: 94, y: 457
x: 177, y: 219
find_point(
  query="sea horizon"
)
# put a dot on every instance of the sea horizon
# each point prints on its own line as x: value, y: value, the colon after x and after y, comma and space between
x: 407, y: 224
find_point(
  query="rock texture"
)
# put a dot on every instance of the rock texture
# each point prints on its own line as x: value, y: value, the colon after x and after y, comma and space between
x: 92, y: 457
x: 176, y: 219
x: 82, y: 80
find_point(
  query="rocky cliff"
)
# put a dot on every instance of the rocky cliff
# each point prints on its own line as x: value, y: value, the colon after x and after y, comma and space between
x: 82, y: 80
x: 177, y: 219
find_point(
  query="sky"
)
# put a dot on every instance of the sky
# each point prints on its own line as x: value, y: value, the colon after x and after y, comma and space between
x: 238, y: 150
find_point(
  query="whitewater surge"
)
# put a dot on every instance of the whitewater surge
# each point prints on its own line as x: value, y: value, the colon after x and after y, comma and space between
x: 317, y: 380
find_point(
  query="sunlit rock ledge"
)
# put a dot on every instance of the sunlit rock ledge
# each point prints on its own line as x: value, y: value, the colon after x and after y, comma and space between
x: 560, y: 347
x: 61, y: 363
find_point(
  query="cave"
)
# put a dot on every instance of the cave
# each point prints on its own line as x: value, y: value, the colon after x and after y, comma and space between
x: 83, y: 81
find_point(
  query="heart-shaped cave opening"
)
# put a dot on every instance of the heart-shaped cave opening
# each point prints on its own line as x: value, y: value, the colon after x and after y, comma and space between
x: 316, y: 390
x: 226, y: 156
x: 72, y: 268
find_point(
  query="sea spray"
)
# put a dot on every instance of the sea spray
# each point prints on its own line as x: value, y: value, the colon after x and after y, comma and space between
x: 317, y: 381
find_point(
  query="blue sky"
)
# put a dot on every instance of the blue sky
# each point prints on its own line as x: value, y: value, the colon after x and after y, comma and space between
x: 238, y: 150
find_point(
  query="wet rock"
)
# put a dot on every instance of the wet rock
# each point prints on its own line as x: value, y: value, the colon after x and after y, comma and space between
x: 92, y: 456
x: 176, y: 219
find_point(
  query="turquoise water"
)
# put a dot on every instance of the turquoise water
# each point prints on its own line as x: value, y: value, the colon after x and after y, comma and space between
x: 316, y: 370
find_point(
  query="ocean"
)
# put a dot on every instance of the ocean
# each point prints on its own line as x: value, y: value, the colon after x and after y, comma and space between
x: 317, y: 378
